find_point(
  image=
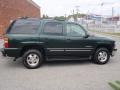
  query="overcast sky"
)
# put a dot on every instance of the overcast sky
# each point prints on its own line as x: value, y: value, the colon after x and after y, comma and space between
x: 62, y: 7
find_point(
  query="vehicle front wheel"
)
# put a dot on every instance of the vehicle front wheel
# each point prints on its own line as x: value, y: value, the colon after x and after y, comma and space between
x: 101, y: 56
x: 32, y: 59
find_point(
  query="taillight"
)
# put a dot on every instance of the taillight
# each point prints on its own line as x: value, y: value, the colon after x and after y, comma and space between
x: 5, y: 42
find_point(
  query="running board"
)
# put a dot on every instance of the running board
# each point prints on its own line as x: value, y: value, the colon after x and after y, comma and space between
x: 66, y: 59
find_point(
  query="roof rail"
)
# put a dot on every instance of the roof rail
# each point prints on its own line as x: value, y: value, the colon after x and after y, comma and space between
x: 59, y: 19
x: 23, y: 17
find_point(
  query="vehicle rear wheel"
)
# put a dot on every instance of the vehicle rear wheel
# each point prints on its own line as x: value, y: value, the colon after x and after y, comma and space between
x: 101, y: 56
x: 32, y: 59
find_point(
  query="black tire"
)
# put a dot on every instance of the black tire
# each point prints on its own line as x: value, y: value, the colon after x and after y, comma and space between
x: 38, y: 58
x: 98, y: 60
x: 3, y: 52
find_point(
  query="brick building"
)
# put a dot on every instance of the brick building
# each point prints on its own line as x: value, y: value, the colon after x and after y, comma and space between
x: 12, y: 9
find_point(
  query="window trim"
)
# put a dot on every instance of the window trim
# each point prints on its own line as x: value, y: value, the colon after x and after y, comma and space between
x: 10, y: 27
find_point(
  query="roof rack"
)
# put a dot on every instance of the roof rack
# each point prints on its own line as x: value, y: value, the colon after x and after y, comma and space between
x: 59, y: 19
x: 23, y: 17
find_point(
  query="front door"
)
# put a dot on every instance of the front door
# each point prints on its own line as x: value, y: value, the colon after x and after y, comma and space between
x: 76, y: 43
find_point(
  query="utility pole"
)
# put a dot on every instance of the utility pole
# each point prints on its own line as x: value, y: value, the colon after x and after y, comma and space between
x: 65, y: 16
x: 101, y: 12
x: 112, y: 13
x: 77, y: 12
x: 73, y: 13
x: 106, y: 3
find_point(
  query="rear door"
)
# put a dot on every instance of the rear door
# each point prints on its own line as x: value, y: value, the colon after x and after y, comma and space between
x: 53, y: 38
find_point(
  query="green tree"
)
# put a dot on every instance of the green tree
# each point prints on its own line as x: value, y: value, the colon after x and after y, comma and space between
x: 75, y: 16
x: 45, y: 16
x: 60, y: 17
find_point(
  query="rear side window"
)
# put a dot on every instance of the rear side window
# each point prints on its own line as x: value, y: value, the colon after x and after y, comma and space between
x: 53, y: 28
x: 25, y: 27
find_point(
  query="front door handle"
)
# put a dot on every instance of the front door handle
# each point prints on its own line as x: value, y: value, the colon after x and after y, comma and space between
x: 68, y: 40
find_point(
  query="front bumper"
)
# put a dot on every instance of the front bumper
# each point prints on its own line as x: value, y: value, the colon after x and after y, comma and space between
x: 114, y: 52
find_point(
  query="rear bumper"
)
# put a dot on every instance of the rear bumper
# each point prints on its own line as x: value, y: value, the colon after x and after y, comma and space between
x: 10, y: 52
x: 114, y: 52
x: 2, y: 51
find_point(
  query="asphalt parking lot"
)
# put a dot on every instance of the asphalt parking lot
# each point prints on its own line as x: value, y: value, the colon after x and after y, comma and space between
x: 69, y: 75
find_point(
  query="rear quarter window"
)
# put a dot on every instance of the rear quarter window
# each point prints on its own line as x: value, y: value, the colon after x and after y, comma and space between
x: 25, y: 27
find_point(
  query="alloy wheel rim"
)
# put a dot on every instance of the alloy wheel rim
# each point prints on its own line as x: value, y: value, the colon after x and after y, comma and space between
x: 33, y: 59
x: 102, y: 56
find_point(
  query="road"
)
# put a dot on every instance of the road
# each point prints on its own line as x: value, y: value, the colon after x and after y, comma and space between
x: 70, y: 75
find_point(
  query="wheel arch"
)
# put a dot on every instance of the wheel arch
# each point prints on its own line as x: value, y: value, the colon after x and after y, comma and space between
x: 37, y: 47
x: 107, y: 46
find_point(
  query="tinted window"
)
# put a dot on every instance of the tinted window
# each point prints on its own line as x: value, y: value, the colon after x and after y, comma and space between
x: 75, y: 30
x: 25, y: 27
x: 53, y: 28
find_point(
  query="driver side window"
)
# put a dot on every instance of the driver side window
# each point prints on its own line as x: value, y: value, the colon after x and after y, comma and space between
x: 75, y: 30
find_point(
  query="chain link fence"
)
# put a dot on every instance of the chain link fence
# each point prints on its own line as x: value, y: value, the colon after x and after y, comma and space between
x: 111, y: 28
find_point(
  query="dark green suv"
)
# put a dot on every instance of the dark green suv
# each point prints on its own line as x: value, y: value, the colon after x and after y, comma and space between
x: 37, y: 40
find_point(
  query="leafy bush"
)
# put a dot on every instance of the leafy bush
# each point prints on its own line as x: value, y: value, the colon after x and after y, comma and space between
x: 115, y: 85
